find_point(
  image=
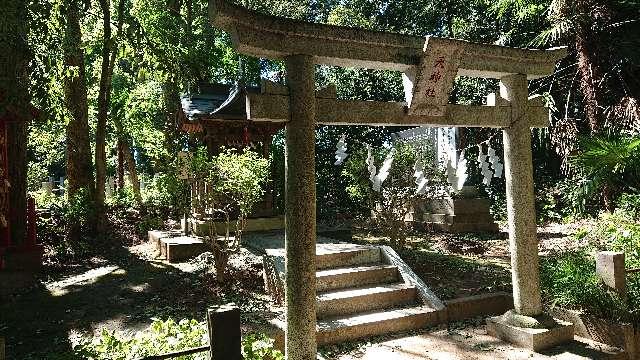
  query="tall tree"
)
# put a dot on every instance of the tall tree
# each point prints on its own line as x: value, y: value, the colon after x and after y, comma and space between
x: 109, y: 52
x: 79, y: 167
x: 15, y: 107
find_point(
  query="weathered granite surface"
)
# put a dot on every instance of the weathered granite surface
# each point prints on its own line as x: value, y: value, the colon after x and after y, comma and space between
x: 521, y: 209
x: 300, y: 202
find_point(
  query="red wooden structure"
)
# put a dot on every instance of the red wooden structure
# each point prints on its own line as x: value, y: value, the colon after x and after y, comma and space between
x: 27, y: 253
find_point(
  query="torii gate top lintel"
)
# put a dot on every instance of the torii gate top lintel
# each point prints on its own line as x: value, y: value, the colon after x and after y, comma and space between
x: 274, y: 37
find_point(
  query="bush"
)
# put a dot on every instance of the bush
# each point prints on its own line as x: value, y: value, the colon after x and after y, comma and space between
x: 569, y: 280
x: 619, y: 231
x: 397, y: 195
x: 163, y: 337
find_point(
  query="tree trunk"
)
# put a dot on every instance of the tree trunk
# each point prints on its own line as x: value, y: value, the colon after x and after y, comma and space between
x: 103, y: 108
x: 590, y: 72
x: 171, y: 108
x: 120, y: 170
x: 133, y: 173
x: 15, y: 106
x: 592, y: 57
x: 124, y: 153
x: 17, y: 159
x: 79, y: 171
x: 109, y: 52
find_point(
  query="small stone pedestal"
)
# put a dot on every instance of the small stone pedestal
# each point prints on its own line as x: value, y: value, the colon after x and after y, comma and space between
x: 551, y: 333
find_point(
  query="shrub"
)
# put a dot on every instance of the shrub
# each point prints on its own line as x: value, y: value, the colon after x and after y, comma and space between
x: 398, y: 193
x: 569, y: 280
x: 163, y: 337
x: 235, y: 183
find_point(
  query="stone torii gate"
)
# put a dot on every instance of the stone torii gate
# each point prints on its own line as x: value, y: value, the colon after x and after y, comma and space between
x: 429, y: 68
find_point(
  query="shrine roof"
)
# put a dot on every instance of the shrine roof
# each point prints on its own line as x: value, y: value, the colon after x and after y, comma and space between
x: 215, y: 102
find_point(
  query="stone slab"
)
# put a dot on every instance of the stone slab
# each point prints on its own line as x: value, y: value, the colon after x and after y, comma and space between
x: 532, y: 339
x: 610, y: 268
x: 586, y: 326
x: 201, y: 227
x: 478, y: 305
x: 409, y: 277
x: 455, y: 206
x: 156, y: 235
x: 182, y: 248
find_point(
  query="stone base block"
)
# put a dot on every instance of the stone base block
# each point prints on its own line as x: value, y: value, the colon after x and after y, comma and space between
x: 182, y: 248
x: 201, y: 227
x: 478, y: 305
x: 534, y: 339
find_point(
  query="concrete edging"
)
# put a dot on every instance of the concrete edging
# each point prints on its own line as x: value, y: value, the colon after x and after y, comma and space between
x: 409, y: 277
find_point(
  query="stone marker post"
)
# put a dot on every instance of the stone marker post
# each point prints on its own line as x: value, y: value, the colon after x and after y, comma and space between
x: 223, y: 324
x: 300, y: 220
x: 610, y: 268
x: 521, y: 209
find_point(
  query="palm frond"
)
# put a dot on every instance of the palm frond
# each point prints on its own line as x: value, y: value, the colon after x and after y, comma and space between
x: 559, y: 30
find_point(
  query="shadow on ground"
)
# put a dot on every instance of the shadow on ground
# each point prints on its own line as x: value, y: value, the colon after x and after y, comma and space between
x: 124, y: 293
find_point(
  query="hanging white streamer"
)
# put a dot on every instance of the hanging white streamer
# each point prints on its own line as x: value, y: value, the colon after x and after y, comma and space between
x: 371, y: 166
x: 418, y: 173
x: 341, y: 152
x: 461, y: 171
x: 384, y: 171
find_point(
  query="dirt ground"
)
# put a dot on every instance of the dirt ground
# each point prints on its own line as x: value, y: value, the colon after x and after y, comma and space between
x: 122, y: 292
x: 126, y: 286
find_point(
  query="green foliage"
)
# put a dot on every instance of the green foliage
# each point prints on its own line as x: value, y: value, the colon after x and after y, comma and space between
x: 619, y: 231
x: 569, y: 280
x: 630, y: 205
x: 240, y: 177
x: 236, y: 180
x: 259, y: 347
x: 162, y: 337
x: 80, y: 209
x: 610, y: 165
x: 167, y: 190
x: 397, y: 195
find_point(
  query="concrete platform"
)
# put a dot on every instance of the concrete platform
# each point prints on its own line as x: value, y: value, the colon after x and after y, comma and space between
x: 534, y: 339
x: 472, y: 343
x: 176, y: 249
x: 201, y: 227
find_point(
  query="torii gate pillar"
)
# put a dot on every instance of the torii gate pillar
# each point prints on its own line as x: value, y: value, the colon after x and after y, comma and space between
x: 300, y: 220
x: 521, y: 211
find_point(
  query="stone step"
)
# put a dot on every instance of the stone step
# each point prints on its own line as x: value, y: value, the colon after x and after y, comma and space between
x: 339, y: 255
x: 180, y: 248
x: 362, y: 299
x: 480, y: 218
x: 343, y: 328
x: 156, y: 235
x: 348, y: 277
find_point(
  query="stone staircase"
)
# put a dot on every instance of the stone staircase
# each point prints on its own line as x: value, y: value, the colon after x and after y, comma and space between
x: 362, y: 291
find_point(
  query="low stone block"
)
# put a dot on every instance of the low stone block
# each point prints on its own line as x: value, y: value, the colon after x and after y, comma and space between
x: 478, y: 305
x: 156, y: 235
x: 610, y: 268
x: 530, y: 338
x: 182, y: 248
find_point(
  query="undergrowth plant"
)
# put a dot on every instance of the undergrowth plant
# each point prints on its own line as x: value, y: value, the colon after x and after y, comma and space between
x: 163, y: 337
